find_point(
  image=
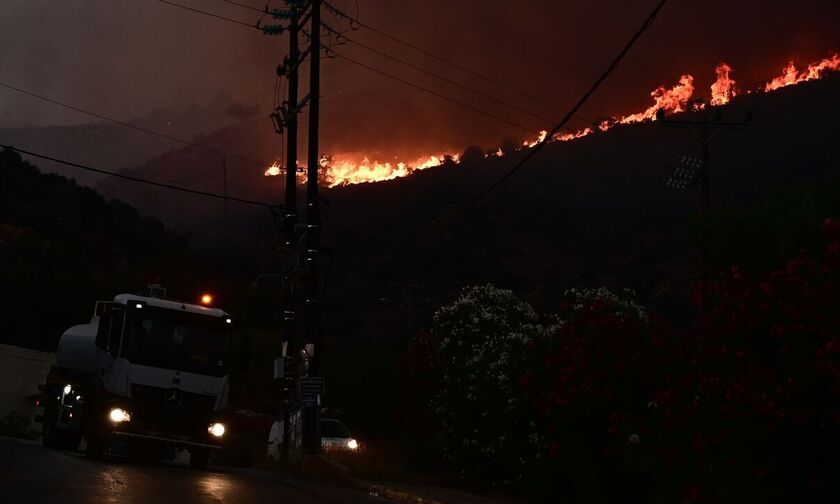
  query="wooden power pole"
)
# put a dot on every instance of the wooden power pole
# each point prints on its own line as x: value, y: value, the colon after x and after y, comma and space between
x: 312, y: 410
x: 310, y: 384
x: 705, y: 130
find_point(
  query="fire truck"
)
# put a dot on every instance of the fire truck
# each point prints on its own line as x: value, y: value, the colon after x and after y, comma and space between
x: 144, y: 377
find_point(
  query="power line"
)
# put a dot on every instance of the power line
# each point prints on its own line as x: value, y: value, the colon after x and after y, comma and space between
x: 450, y: 62
x: 210, y: 14
x: 129, y: 125
x: 437, y: 76
x: 533, y: 151
x: 330, y: 51
x: 138, y: 179
x: 427, y: 90
x: 246, y: 6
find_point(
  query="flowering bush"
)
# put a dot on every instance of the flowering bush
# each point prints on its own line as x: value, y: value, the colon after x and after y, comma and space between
x: 757, y: 410
x: 589, y: 385
x: 606, y: 402
x: 479, y: 342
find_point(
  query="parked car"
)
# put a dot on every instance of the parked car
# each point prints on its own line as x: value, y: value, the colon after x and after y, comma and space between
x: 336, y: 436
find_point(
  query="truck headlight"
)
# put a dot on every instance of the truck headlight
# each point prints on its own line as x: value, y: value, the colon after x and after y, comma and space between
x: 216, y: 429
x: 119, y: 415
x: 352, y: 444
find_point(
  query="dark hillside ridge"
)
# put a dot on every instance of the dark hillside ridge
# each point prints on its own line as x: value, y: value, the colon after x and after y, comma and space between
x: 63, y: 247
x: 590, y: 212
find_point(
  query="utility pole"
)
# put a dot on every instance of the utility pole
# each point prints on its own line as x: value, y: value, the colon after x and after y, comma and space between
x: 705, y: 130
x: 225, y: 238
x: 290, y: 221
x: 290, y: 66
x: 408, y: 301
x: 306, y: 393
x: 285, y: 118
x: 312, y: 416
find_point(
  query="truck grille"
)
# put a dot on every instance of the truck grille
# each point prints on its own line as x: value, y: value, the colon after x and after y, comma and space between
x: 171, y: 411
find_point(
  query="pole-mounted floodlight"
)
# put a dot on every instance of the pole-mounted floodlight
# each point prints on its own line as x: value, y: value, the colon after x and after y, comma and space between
x: 685, y: 175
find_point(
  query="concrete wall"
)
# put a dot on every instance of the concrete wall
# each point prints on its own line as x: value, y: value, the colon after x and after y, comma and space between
x: 21, y: 370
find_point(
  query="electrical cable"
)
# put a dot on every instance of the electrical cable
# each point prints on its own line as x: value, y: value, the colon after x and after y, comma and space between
x: 451, y: 63
x: 246, y: 6
x: 210, y: 14
x: 137, y: 179
x: 341, y: 36
x: 132, y: 126
x: 421, y: 88
x: 537, y: 148
x: 427, y: 90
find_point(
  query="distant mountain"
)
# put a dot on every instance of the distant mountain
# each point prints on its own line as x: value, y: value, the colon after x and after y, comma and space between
x: 112, y: 146
x: 63, y: 247
x: 590, y: 212
x: 595, y: 211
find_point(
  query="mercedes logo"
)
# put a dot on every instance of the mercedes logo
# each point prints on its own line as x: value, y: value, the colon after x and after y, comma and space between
x: 173, y: 398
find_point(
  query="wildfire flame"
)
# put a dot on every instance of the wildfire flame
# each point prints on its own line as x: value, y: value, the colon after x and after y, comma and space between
x: 669, y: 100
x: 565, y: 137
x: 273, y: 170
x: 355, y: 168
x: 347, y: 169
x: 539, y: 139
x: 724, y: 87
x: 791, y: 76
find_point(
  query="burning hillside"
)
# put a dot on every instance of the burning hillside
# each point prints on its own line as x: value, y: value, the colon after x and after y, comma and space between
x: 356, y: 167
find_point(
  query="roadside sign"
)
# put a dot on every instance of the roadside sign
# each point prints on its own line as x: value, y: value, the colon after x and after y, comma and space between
x: 309, y: 400
x: 284, y: 367
x: 312, y: 385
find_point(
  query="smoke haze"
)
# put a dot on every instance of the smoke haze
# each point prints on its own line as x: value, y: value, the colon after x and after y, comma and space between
x: 129, y: 58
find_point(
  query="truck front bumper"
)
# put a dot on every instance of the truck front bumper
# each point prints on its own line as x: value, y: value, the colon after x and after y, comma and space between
x: 178, y: 442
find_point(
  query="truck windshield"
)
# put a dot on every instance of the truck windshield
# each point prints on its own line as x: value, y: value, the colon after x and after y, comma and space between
x: 180, y: 341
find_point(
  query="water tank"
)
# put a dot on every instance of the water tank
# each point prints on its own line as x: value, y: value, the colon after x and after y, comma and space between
x: 77, y: 347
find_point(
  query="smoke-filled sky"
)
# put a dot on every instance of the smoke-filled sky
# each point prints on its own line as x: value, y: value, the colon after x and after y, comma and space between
x: 127, y: 58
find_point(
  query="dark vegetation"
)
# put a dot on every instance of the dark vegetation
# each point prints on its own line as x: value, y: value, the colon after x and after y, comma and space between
x: 611, y: 403
x: 65, y: 246
x: 588, y: 214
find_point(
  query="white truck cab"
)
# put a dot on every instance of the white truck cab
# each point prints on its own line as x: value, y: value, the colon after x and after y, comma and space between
x: 146, y: 371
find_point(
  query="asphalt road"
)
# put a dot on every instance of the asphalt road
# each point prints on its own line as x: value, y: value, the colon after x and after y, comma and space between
x: 30, y: 474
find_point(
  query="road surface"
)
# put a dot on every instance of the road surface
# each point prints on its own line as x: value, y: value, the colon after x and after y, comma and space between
x: 30, y: 474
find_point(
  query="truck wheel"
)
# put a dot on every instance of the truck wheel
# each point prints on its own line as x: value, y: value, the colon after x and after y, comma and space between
x: 50, y: 437
x: 70, y: 441
x: 95, y: 444
x: 199, y: 457
x: 94, y: 448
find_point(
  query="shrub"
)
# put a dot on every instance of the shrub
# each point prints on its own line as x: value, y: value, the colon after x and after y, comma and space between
x: 16, y: 425
x: 479, y: 343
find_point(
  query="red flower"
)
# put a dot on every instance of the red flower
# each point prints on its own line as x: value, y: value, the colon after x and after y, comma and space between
x: 831, y: 227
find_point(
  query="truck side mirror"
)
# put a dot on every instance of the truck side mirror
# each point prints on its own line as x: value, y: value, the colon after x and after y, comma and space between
x: 102, y: 330
x: 115, y: 330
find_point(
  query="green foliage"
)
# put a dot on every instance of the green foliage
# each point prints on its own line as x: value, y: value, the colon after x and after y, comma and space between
x: 16, y: 425
x: 479, y: 344
x: 762, y: 238
x: 512, y: 391
x: 63, y: 247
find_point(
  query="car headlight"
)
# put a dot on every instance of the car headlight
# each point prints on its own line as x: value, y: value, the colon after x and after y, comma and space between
x: 119, y: 415
x: 352, y: 444
x: 217, y: 429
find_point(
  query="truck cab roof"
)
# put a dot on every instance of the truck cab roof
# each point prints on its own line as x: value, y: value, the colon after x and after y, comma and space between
x: 169, y: 304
